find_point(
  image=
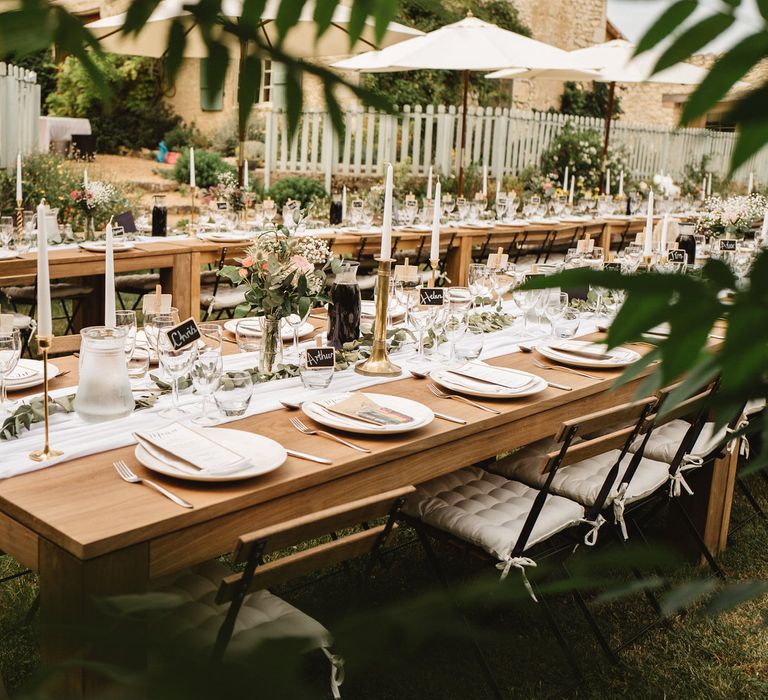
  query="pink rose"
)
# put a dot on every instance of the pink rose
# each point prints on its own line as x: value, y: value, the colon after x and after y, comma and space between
x: 547, y: 185
x: 300, y: 263
x: 247, y: 261
x: 243, y: 273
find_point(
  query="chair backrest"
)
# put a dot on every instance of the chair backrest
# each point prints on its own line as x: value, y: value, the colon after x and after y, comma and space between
x: 614, y: 428
x: 64, y: 345
x: 252, y: 546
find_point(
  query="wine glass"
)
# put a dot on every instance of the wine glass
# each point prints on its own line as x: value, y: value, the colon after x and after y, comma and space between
x: 502, y: 279
x: 10, y: 351
x: 155, y: 322
x: 126, y: 319
x: 367, y: 217
x: 269, y: 209
x: 6, y: 231
x: 524, y: 298
x: 462, y: 207
x: 406, y: 295
x: 458, y: 298
x: 176, y: 363
x: 455, y: 321
x: 554, y: 307
x: 207, y: 368
x: 479, y: 280
x: 448, y: 204
x: 501, y: 207
x: 296, y: 321
x: 421, y: 316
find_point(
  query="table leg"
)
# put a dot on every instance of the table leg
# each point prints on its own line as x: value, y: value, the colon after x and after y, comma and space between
x: 458, y: 260
x: 68, y: 586
x: 605, y: 239
x: 183, y: 279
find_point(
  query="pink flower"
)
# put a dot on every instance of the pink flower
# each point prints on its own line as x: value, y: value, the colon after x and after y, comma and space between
x: 547, y: 185
x: 243, y: 273
x: 247, y: 261
x: 300, y: 263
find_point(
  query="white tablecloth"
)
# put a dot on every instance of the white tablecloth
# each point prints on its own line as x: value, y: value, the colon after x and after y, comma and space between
x: 78, y: 439
x: 59, y: 129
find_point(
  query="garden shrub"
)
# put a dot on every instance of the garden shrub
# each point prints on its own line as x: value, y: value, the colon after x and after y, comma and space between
x: 592, y: 102
x: 303, y: 189
x: 135, y: 117
x: 208, y: 167
x: 182, y: 136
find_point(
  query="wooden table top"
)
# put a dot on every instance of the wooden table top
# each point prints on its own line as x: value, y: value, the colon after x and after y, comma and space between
x: 85, y: 508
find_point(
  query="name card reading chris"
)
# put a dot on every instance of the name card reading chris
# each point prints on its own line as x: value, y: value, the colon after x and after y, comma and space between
x: 677, y: 256
x: 727, y: 244
x: 429, y: 296
x: 184, y: 334
x: 321, y: 357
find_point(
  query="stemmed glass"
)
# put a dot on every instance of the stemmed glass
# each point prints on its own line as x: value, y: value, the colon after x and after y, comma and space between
x: 501, y: 207
x: 406, y: 295
x: 448, y: 204
x: 524, y: 298
x: 502, y: 279
x: 207, y: 369
x: 6, y: 232
x: 462, y: 206
x: 455, y: 321
x: 269, y: 208
x: 480, y: 284
x: 154, y: 323
x: 295, y: 321
x: 126, y: 319
x: 175, y: 364
x: 10, y: 351
x: 554, y: 307
x: 367, y: 216
x: 421, y: 316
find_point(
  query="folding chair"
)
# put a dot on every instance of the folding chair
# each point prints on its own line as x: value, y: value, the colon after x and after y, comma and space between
x: 227, y: 611
x: 752, y: 409
x: 221, y: 297
x: 61, y: 292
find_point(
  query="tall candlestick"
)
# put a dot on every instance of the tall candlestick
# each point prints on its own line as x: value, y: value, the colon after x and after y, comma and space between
x: 18, y: 178
x: 344, y: 203
x: 709, y: 185
x: 386, y: 226
x: 570, y: 191
x: 608, y: 181
x: 663, y: 242
x: 764, y: 231
x: 429, y: 183
x: 751, y: 183
x: 704, y: 188
x: 44, y: 322
x: 85, y: 178
x: 434, y: 246
x: 565, y: 178
x: 498, y: 189
x: 485, y: 181
x: 245, y: 175
x: 192, y: 182
x: 648, y: 243
x: 621, y: 184
x: 110, y: 318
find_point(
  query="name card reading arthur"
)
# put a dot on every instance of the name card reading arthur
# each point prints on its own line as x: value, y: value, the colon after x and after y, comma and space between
x: 430, y: 296
x: 118, y: 231
x: 184, y: 334
x: 728, y: 244
x: 321, y: 357
x: 677, y: 256
x: 614, y: 266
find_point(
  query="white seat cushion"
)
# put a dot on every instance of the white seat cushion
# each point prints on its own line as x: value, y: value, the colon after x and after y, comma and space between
x: 582, y: 480
x: 488, y: 510
x: 59, y: 290
x: 263, y: 615
x: 144, y: 282
x: 227, y: 297
x: 665, y: 441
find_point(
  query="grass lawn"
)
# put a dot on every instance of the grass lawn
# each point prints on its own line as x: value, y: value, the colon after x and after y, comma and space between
x: 697, y: 656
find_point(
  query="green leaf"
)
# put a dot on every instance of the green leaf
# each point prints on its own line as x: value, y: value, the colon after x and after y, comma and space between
x: 177, y: 40
x: 751, y: 138
x: 385, y: 12
x: 324, y: 10
x: 248, y: 85
x: 693, y: 39
x: 685, y: 594
x: 252, y: 12
x: 360, y: 11
x: 216, y: 65
x: 734, y: 594
x: 137, y: 14
x: 762, y: 5
x: 288, y: 15
x: 294, y: 98
x: 724, y: 74
x: 667, y: 22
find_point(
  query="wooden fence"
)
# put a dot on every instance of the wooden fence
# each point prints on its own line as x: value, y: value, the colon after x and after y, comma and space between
x: 19, y: 113
x: 504, y: 140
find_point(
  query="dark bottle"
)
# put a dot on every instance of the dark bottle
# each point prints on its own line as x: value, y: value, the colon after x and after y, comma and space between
x: 336, y: 210
x: 159, y: 216
x: 687, y: 242
x: 344, y: 309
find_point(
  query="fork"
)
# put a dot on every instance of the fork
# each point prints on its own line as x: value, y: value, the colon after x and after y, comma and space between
x: 127, y: 475
x: 302, y: 428
x: 542, y: 365
x: 458, y: 397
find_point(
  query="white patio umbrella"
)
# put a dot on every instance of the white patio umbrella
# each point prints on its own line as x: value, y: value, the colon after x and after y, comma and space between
x: 300, y: 41
x: 616, y: 63
x: 467, y: 45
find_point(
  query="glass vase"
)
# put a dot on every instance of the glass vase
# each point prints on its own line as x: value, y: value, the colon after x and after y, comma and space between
x: 271, y: 354
x: 90, y: 229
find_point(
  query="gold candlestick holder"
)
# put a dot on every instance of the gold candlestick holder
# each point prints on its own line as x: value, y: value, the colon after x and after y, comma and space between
x: 434, y: 264
x: 19, y: 217
x: 44, y: 343
x: 379, y: 364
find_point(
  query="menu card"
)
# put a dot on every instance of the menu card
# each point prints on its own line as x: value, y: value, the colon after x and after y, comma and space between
x: 177, y: 442
x: 361, y: 407
x: 493, y: 375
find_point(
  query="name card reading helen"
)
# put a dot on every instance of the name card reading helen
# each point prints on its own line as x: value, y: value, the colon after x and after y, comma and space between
x: 677, y: 256
x: 184, y: 334
x: 727, y: 244
x: 430, y: 296
x: 321, y: 357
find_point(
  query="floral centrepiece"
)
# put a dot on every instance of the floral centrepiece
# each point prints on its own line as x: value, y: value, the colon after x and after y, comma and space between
x: 229, y: 191
x: 96, y: 201
x: 732, y: 217
x: 283, y: 275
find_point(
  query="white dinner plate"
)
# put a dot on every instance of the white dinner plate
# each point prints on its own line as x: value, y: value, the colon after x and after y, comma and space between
x: 8, y: 254
x: 422, y: 415
x: 101, y: 246
x: 541, y: 220
x: 477, y: 224
x: 575, y: 219
x: 368, y: 309
x: 266, y: 456
x: 466, y: 385
x: 234, y: 237
x: 617, y: 217
x: 620, y: 357
x: 28, y: 374
x: 253, y: 327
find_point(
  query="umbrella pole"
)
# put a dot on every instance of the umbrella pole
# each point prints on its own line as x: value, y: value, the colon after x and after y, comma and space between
x: 608, y: 117
x: 241, y: 125
x: 460, y: 188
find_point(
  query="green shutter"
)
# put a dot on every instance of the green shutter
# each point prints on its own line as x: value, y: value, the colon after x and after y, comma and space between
x: 210, y: 100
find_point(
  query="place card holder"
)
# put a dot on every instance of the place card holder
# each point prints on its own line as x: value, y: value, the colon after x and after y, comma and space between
x: 728, y: 245
x: 150, y: 303
x: 184, y: 334
x: 431, y: 296
x: 222, y: 206
x: 321, y: 357
x: 677, y: 256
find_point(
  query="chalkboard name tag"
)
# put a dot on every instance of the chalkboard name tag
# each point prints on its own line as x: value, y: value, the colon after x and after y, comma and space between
x: 612, y: 266
x: 118, y: 231
x: 431, y: 296
x: 221, y: 206
x: 321, y: 357
x: 728, y: 244
x: 677, y: 256
x: 184, y: 334
x: 357, y: 203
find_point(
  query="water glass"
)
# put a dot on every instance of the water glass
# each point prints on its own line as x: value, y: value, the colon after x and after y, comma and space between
x: 455, y: 323
x: 6, y: 231
x: 555, y: 305
x: 138, y: 362
x: 126, y: 319
x: 10, y: 351
x: 567, y: 325
x: 470, y: 345
x: 233, y: 392
x: 248, y: 335
x: 421, y: 317
x: 206, y: 372
x: 296, y: 321
x: 314, y: 377
x: 175, y: 364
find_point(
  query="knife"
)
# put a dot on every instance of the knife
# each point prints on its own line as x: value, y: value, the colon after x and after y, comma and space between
x: 452, y: 419
x: 308, y: 457
x: 583, y: 353
x: 489, y: 381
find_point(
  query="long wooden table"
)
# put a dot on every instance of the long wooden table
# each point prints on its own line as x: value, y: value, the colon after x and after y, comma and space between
x: 179, y: 261
x: 86, y: 532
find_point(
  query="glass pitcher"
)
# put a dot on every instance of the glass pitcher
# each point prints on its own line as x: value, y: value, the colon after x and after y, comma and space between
x: 104, y: 392
x: 159, y: 216
x: 344, y: 309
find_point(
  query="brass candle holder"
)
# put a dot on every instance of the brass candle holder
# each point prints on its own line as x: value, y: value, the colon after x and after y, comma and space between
x: 379, y: 364
x: 44, y: 343
x: 434, y: 264
x: 19, y: 218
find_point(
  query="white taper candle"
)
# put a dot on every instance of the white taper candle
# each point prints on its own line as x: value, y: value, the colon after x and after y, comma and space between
x: 429, y: 183
x: 565, y: 178
x: 434, y: 245
x: 44, y: 322
x: 386, y: 226
x: 648, y: 242
x: 344, y: 203
x: 245, y: 175
x: 110, y: 319
x: 570, y: 191
x: 192, y: 181
x: 18, y: 177
x: 664, y: 229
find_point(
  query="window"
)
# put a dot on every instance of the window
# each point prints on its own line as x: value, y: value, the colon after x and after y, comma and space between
x: 210, y: 100
x: 272, y: 84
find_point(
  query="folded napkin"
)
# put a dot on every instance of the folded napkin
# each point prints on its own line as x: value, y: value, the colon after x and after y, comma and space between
x: 487, y: 377
x: 191, y: 451
x: 21, y: 373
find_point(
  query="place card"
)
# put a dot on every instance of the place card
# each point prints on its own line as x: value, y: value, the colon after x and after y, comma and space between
x: 118, y: 231
x: 357, y: 204
x: 406, y: 272
x: 184, y: 334
x: 320, y: 357
x: 728, y: 244
x: 149, y: 304
x: 613, y: 266
x: 222, y: 206
x: 497, y: 260
x: 677, y: 256
x: 431, y: 296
